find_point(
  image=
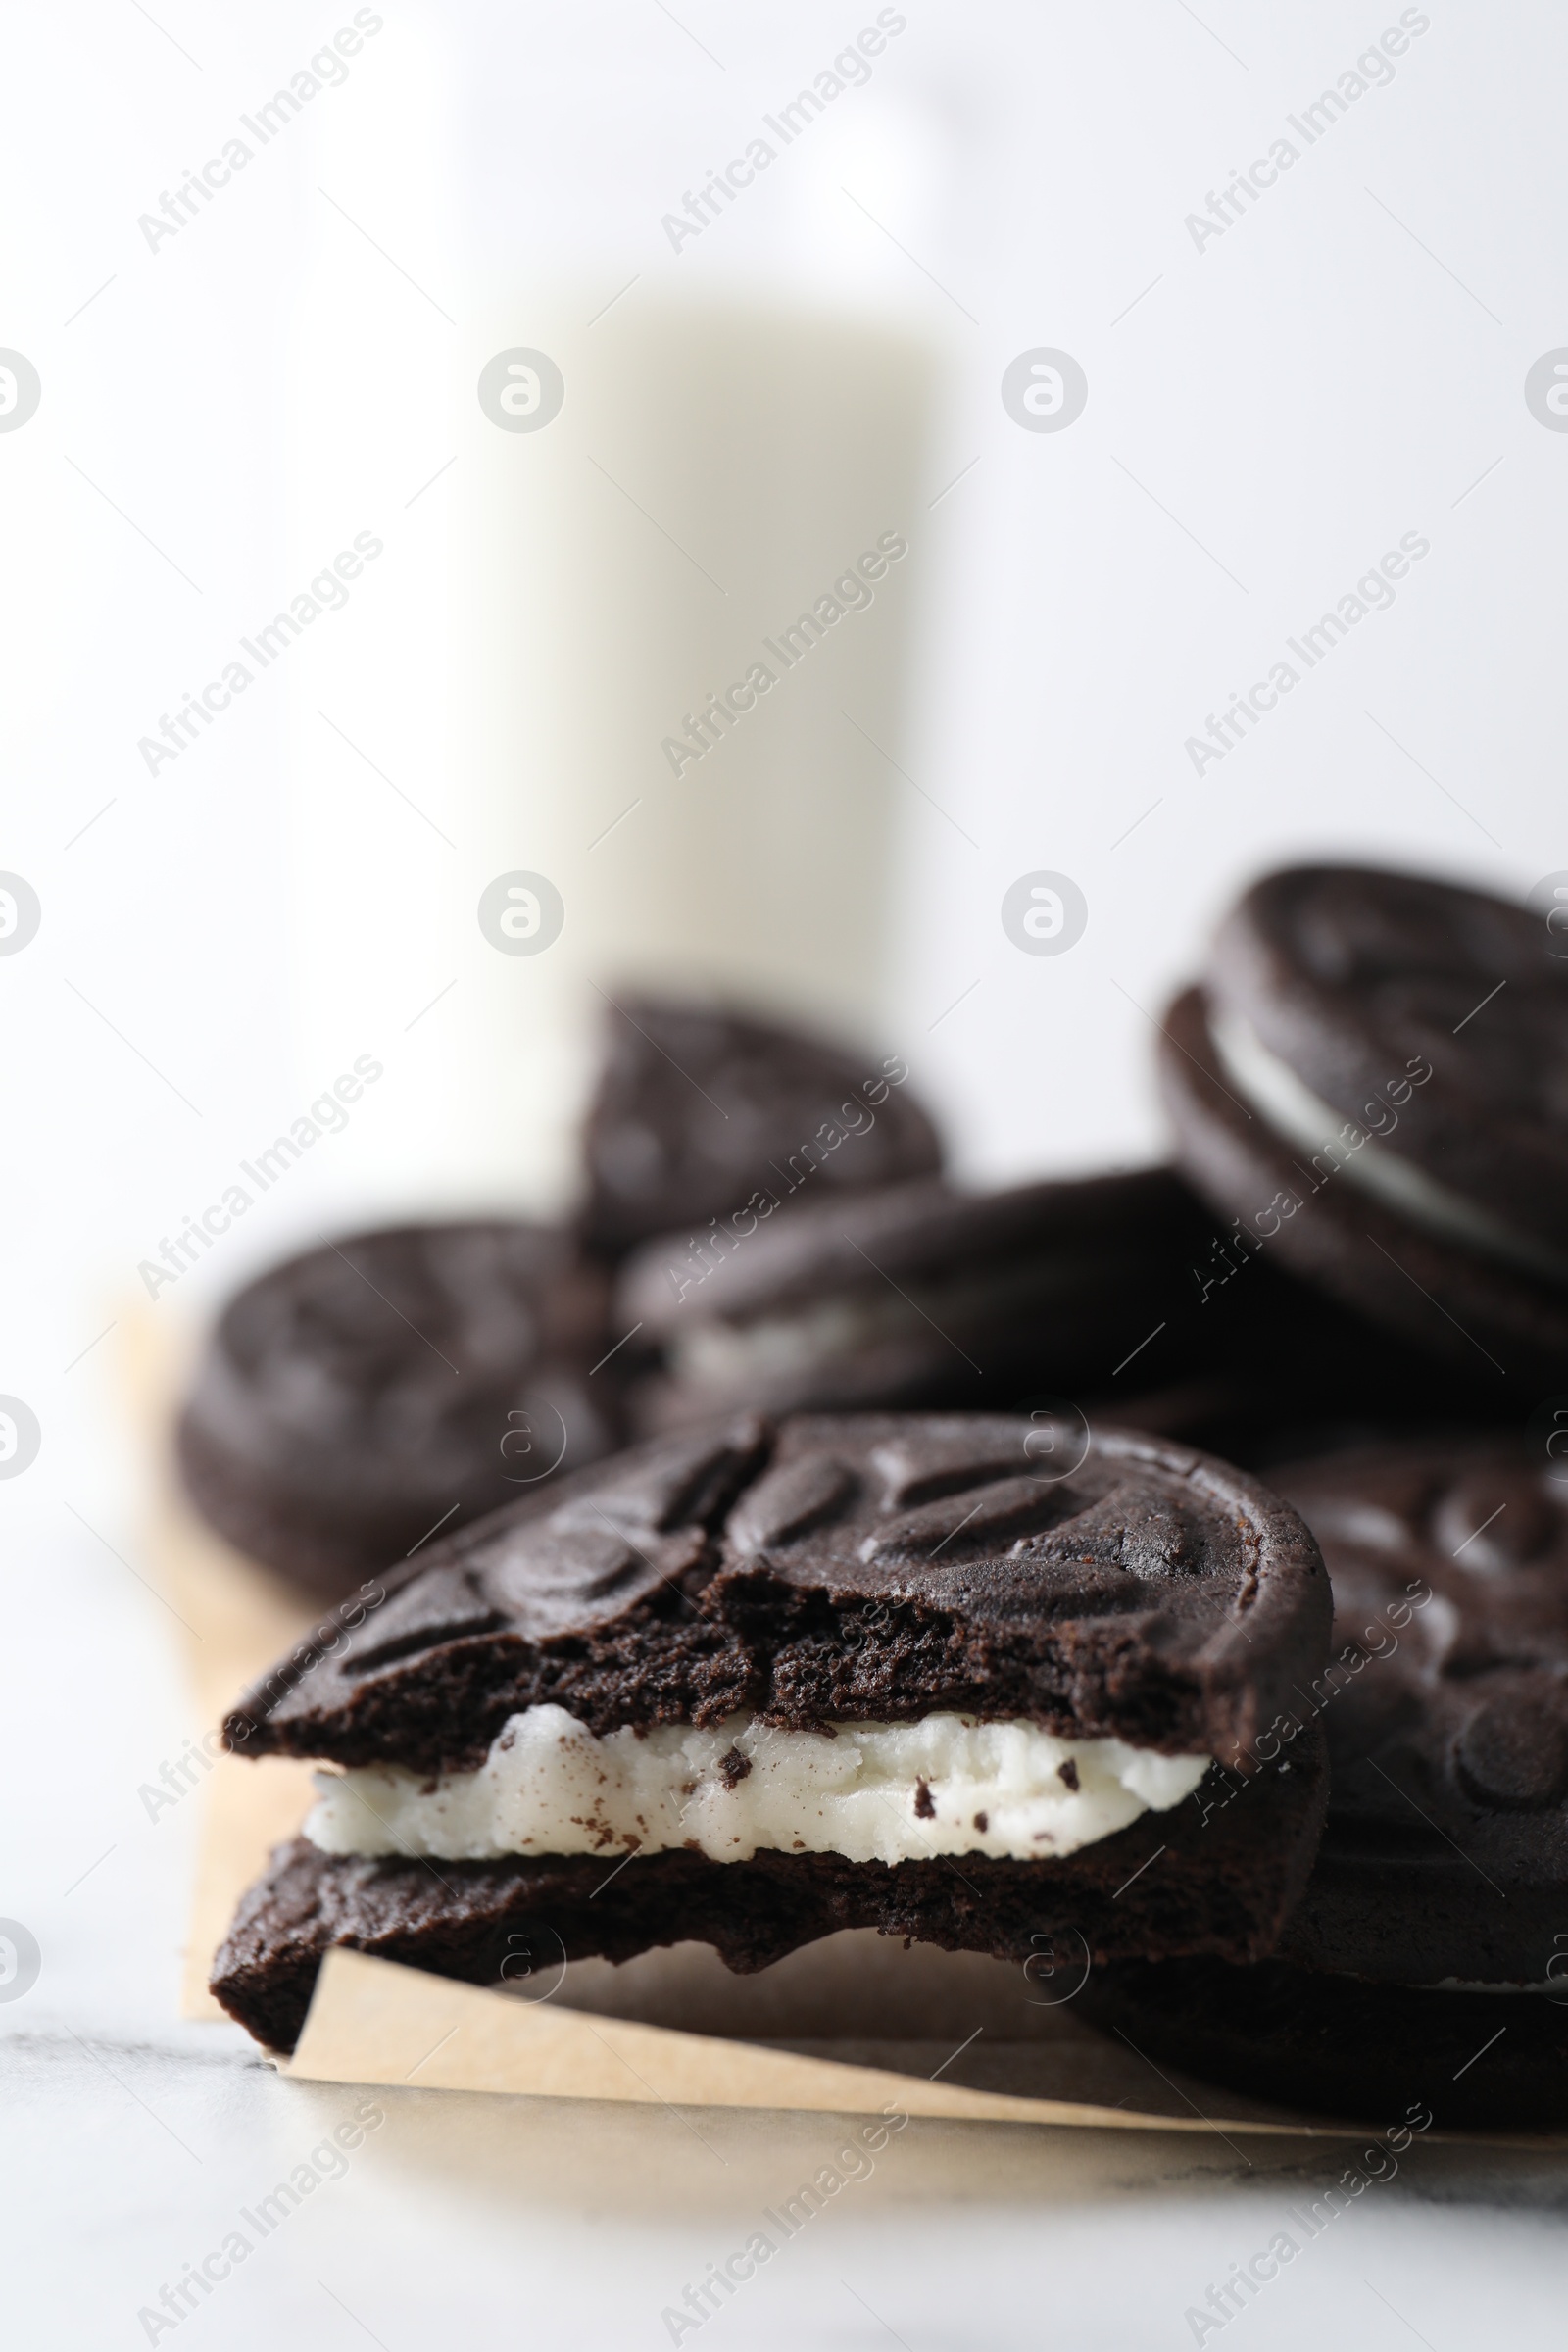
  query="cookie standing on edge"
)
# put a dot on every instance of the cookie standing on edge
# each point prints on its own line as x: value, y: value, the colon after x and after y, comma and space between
x: 1429, y: 1956
x: 1373, y: 1081
x: 355, y: 1399
x: 699, y: 1110
x: 753, y: 1685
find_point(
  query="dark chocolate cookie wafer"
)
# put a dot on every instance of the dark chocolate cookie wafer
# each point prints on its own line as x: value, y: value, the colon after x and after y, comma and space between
x: 1373, y: 1081
x: 917, y: 1672
x: 701, y: 1111
x: 378, y: 1389
x: 1440, y: 1889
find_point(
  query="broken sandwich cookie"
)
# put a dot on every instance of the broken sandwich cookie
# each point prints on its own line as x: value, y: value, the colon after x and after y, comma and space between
x: 953, y: 1677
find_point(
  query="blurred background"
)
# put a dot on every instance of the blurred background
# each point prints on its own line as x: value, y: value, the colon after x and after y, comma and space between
x: 244, y: 375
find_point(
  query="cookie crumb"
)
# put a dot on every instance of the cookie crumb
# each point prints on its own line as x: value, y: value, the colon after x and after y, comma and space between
x: 982, y: 1822
x: 1068, y: 1771
x: 923, y: 1805
x: 733, y: 1768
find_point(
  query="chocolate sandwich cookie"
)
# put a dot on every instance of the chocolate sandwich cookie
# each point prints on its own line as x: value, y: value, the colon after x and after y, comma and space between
x: 1373, y: 1083
x: 701, y: 1113
x: 754, y: 1684
x: 1120, y: 1292
x: 1429, y: 1956
x: 923, y: 1294
x: 384, y: 1387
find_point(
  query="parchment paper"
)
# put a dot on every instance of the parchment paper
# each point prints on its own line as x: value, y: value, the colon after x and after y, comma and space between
x: 854, y: 2023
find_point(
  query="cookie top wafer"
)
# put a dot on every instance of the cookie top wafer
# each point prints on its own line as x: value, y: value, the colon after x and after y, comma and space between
x: 870, y: 1568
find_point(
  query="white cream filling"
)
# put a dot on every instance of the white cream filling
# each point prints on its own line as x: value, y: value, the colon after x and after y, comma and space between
x: 1290, y: 1107
x: 773, y: 1346
x: 715, y: 1354
x: 870, y: 1791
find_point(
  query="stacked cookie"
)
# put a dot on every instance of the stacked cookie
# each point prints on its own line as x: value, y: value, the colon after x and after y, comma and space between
x: 915, y: 1606
x: 1372, y: 1082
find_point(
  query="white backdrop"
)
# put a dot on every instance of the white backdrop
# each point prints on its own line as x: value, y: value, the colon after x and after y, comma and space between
x: 1271, y: 409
